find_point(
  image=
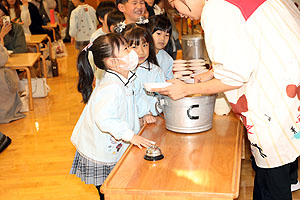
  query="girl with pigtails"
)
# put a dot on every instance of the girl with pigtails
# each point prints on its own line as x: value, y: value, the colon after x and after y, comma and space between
x: 109, y: 121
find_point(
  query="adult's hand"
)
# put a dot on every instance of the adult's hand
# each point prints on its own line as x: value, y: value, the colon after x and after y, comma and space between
x: 5, y: 29
x: 177, y: 90
x: 204, y: 77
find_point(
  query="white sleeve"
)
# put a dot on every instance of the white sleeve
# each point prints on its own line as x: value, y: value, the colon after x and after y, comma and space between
x: 73, y: 24
x: 107, y: 115
x: 229, y: 45
x: 25, y: 15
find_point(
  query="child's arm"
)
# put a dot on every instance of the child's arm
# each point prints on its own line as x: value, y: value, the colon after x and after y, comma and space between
x: 109, y: 109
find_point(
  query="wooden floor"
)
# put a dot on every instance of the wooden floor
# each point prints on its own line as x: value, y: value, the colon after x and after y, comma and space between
x: 36, y: 165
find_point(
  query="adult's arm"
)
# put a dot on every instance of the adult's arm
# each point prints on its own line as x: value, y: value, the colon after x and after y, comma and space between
x: 179, y: 89
x: 3, y: 55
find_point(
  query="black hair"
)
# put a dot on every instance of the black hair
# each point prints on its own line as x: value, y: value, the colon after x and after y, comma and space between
x: 82, y: 1
x: 156, y: 2
x: 162, y: 23
x: 103, y: 8
x: 135, y: 34
x: 103, y: 47
x: 121, y: 1
x: 114, y: 17
x: 149, y: 9
x: 4, y: 10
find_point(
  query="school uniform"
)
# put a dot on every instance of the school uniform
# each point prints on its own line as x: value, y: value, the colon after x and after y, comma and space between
x: 165, y: 61
x: 105, y: 127
x: 147, y: 73
x: 249, y: 42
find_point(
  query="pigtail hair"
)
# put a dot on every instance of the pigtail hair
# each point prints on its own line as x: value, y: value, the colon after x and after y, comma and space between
x: 86, y: 76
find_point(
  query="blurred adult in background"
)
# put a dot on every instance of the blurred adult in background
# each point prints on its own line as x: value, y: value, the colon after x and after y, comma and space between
x: 19, y: 13
x: 10, y: 103
x: 12, y: 34
x: 71, y: 7
x: 37, y: 22
x: 44, y: 7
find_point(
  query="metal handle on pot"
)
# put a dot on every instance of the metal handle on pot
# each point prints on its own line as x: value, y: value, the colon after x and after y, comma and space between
x: 188, y: 112
x: 157, y: 104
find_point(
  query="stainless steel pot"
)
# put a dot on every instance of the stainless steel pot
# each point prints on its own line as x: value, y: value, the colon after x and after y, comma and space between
x: 189, y: 114
x: 193, y: 47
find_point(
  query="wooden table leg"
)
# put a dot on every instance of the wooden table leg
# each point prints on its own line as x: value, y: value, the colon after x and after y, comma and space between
x: 50, y: 48
x: 29, y: 88
x: 44, y: 66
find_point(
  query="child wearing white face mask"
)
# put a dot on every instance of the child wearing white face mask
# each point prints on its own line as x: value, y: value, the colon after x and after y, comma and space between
x: 147, y: 71
x: 109, y: 121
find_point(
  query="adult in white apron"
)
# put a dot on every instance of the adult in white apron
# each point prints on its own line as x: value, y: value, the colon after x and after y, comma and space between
x: 254, y: 48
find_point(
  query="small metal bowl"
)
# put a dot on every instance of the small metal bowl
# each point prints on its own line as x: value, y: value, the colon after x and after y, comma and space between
x: 153, y: 153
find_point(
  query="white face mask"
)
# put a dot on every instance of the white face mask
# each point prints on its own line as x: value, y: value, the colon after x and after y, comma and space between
x: 130, y: 61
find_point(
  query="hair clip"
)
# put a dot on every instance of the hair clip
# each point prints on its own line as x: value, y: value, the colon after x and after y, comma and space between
x: 120, y: 27
x: 87, y: 46
x: 142, y: 20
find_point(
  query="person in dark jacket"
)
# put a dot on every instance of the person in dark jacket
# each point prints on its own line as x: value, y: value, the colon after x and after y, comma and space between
x: 37, y: 22
x: 12, y: 34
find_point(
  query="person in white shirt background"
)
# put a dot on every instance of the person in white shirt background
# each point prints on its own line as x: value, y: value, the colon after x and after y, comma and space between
x: 102, y: 10
x: 109, y: 121
x: 254, y: 47
x: 19, y: 13
x: 83, y: 23
x: 110, y: 20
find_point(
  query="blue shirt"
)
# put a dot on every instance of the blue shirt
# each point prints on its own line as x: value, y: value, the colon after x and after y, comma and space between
x: 108, y: 120
x: 147, y: 73
x: 165, y: 61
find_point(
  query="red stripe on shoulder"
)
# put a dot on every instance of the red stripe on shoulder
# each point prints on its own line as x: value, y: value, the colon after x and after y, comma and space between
x: 247, y: 7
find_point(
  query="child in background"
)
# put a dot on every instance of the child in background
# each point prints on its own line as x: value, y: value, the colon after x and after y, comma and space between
x: 113, y: 18
x: 147, y: 71
x: 109, y: 121
x: 83, y: 23
x: 132, y: 9
x: 161, y: 30
x: 102, y: 10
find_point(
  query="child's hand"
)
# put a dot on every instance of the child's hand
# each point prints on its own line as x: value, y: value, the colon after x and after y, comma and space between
x: 140, y: 142
x: 148, y: 119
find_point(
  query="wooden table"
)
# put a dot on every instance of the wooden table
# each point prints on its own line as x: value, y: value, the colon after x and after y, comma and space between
x: 24, y: 61
x: 202, y: 166
x: 52, y: 27
x: 36, y: 40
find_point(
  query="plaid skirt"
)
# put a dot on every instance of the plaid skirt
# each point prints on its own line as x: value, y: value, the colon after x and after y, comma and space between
x: 89, y: 171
